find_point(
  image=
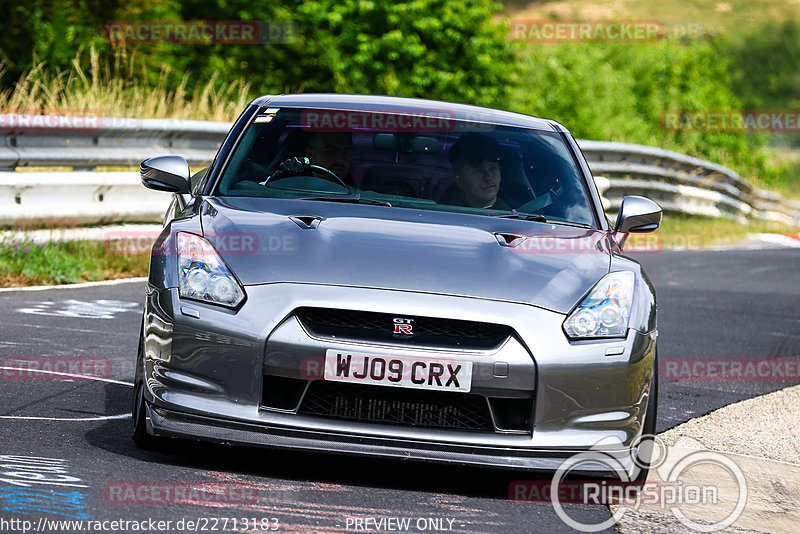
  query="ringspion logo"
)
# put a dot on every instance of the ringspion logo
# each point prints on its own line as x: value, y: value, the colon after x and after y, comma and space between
x: 692, y: 479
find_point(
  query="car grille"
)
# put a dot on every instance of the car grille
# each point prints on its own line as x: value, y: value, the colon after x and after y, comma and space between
x: 394, y: 406
x: 379, y: 327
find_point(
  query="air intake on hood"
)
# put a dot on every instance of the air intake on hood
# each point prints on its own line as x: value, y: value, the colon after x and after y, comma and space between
x: 509, y: 240
x: 306, y: 222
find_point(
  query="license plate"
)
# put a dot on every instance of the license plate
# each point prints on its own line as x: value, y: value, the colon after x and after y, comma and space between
x: 440, y: 374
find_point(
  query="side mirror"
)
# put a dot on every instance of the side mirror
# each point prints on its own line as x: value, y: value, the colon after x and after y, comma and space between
x: 166, y: 173
x: 638, y: 215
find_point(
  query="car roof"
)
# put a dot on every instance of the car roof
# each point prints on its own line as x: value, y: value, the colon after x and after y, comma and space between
x: 408, y: 106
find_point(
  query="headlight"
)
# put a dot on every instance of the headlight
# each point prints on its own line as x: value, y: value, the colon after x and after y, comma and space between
x: 202, y: 275
x: 605, y: 312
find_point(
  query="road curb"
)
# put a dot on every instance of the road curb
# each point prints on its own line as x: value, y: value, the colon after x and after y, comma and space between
x: 761, y: 436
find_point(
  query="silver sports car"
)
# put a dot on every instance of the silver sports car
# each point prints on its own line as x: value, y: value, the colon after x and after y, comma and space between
x: 399, y: 278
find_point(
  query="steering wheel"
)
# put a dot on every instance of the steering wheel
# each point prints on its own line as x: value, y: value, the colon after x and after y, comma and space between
x: 298, y: 166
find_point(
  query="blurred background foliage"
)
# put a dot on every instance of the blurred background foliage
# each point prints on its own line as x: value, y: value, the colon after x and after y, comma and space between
x: 444, y: 49
x: 55, y: 55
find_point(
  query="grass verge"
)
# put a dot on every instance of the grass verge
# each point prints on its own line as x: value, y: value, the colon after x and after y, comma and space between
x: 25, y: 263
x: 121, y: 92
x: 691, y: 232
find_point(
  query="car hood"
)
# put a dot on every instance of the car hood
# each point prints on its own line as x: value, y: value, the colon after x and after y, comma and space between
x: 405, y: 249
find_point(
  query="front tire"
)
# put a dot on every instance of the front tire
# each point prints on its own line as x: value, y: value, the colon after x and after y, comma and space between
x: 644, y: 454
x: 141, y: 438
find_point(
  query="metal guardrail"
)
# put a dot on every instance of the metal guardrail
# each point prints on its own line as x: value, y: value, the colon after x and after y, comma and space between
x: 85, y: 143
x: 679, y: 183
x: 77, y: 197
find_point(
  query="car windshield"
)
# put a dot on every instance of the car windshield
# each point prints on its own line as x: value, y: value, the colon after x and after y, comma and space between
x: 408, y: 161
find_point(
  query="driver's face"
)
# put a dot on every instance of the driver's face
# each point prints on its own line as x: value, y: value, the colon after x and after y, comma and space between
x: 333, y: 151
x: 480, y: 182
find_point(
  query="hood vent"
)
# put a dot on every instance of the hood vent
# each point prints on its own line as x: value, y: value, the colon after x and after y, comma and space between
x: 306, y: 222
x: 509, y: 240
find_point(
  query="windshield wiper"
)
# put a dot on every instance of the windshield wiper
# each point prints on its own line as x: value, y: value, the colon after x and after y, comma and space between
x: 524, y: 216
x: 538, y: 217
x: 354, y: 199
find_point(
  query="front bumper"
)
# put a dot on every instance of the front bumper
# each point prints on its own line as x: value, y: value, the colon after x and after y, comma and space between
x: 172, y: 424
x: 204, y: 368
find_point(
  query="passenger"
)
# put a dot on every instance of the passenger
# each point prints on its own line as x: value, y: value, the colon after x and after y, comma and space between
x: 475, y: 159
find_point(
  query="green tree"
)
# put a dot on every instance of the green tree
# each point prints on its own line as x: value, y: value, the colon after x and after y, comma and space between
x: 52, y: 31
x: 768, y: 73
x: 444, y: 49
x: 618, y: 91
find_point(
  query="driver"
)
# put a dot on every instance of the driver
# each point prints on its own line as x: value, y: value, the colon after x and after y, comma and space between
x: 475, y: 159
x: 334, y: 151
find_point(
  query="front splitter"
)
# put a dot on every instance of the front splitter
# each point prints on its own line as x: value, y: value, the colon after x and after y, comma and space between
x: 169, y: 423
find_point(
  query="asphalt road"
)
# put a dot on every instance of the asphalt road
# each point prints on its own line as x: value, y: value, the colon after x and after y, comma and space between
x: 66, y: 449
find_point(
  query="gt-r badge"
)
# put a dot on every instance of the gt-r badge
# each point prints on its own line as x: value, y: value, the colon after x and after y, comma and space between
x: 403, y: 326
